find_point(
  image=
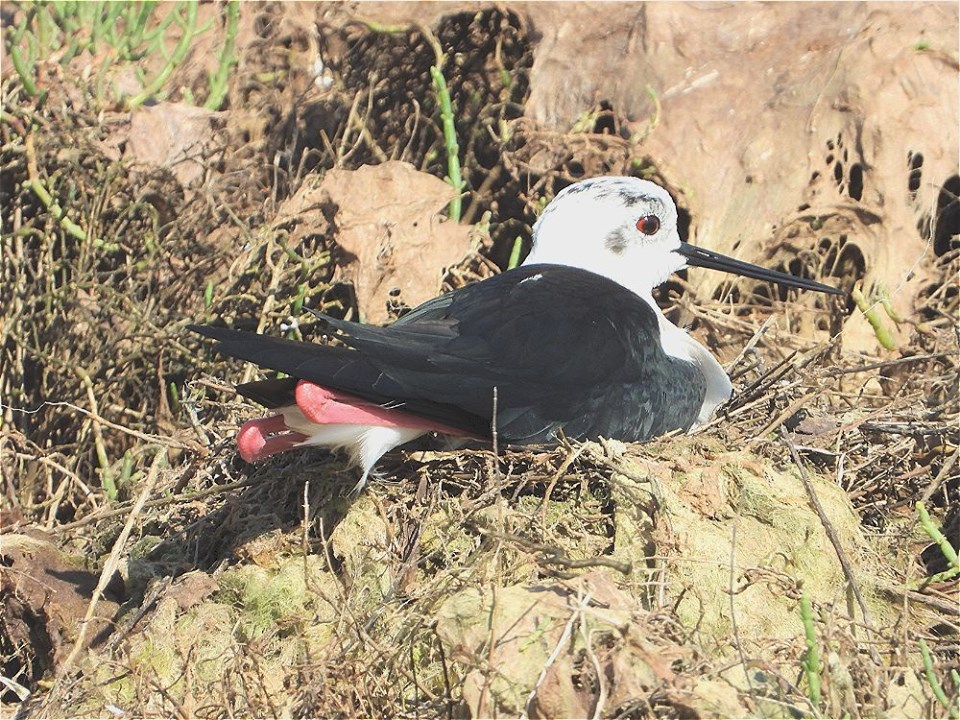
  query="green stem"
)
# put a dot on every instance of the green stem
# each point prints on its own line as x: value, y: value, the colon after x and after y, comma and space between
x: 934, y: 682
x: 218, y: 81
x: 26, y: 76
x: 58, y: 212
x: 179, y: 53
x: 949, y: 552
x: 515, y: 253
x: 450, y: 141
x: 811, y: 663
x: 873, y: 317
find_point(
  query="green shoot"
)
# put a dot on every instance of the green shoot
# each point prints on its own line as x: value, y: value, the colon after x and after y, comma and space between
x: 515, y: 253
x: 586, y: 122
x: 126, y: 470
x: 949, y: 552
x: 934, y: 682
x: 26, y: 75
x: 124, y: 33
x: 298, y: 300
x: 228, y: 58
x: 450, y: 141
x: 812, y: 666
x: 174, y: 397
x: 657, y: 108
x: 188, y: 25
x: 452, y: 146
x: 888, y: 305
x: 884, y: 337
x: 50, y: 203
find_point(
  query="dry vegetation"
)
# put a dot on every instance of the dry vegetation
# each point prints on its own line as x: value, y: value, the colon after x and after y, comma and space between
x: 642, y: 581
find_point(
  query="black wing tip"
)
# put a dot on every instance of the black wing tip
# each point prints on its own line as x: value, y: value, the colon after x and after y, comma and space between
x: 222, y: 333
x: 319, y: 315
x: 207, y: 330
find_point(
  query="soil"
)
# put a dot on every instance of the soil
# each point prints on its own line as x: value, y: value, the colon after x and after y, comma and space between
x: 145, y: 569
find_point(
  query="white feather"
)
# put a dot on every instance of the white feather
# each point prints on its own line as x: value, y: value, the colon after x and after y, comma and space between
x: 365, y: 444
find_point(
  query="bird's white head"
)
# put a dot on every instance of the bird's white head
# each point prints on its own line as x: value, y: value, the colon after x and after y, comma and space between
x: 623, y: 228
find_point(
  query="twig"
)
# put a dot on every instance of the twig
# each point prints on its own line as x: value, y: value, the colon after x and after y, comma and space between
x: 164, y: 501
x: 761, y: 331
x: 588, y: 648
x: 497, y: 475
x: 156, y: 439
x: 110, y: 566
x: 106, y: 474
x: 19, y: 690
x: 551, y: 554
x: 941, y: 476
x: 493, y: 424
x: 733, y: 609
x: 833, y: 372
x: 835, y: 541
x: 558, y: 648
x: 572, y: 455
x: 913, y: 429
x: 786, y: 414
x: 947, y: 606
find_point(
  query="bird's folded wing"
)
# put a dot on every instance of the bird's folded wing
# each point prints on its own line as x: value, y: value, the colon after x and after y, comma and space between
x: 563, y: 348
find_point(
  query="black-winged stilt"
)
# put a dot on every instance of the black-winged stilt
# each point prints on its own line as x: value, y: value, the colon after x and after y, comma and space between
x: 571, y: 341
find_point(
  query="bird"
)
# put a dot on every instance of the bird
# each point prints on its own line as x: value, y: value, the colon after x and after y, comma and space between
x: 570, y: 344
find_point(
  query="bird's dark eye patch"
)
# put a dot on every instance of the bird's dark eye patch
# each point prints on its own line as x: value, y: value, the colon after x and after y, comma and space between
x: 648, y: 224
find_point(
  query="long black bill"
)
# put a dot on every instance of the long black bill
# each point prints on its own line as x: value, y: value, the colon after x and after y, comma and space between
x: 698, y: 257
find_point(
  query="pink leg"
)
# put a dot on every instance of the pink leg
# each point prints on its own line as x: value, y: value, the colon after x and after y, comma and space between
x: 324, y: 406
x: 259, y: 439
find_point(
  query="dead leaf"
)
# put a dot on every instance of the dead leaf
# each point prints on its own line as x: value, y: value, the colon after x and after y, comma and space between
x: 44, y: 595
x: 192, y: 589
x: 387, y: 219
x: 172, y: 135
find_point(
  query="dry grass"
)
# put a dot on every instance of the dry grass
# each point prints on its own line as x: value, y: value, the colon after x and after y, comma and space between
x: 555, y: 581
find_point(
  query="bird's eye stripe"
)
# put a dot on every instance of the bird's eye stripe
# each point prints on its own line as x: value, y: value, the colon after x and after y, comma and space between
x: 648, y: 224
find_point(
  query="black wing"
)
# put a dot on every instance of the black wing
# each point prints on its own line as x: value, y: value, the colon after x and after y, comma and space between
x: 565, y: 348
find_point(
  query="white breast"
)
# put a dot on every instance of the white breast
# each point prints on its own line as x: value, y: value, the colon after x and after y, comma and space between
x: 677, y: 343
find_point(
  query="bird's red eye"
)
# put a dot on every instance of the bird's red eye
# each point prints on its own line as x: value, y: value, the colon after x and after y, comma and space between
x: 648, y: 224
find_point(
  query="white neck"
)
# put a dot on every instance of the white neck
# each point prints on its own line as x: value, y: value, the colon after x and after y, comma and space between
x: 635, y: 271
